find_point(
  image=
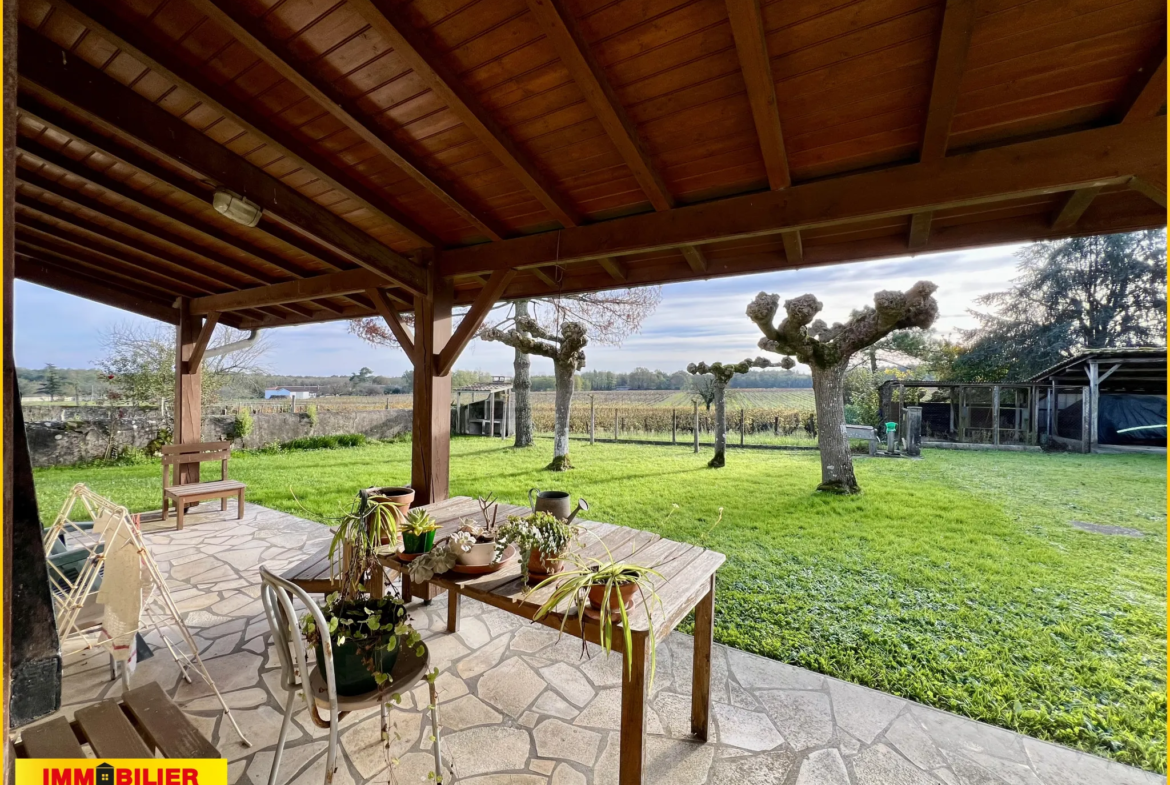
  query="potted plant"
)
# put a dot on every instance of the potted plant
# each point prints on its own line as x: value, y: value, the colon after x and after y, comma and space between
x: 609, y: 588
x: 543, y: 540
x: 365, y: 633
x: 475, y: 543
x: 418, y: 534
x: 395, y: 498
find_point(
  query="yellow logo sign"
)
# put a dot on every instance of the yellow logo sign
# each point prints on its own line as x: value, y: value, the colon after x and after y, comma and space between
x: 126, y: 771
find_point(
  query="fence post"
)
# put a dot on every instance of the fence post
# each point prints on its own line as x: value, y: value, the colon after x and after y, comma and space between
x: 673, y: 426
x: 592, y: 419
x: 742, y: 425
x: 696, y: 426
x: 616, y: 420
x: 776, y: 426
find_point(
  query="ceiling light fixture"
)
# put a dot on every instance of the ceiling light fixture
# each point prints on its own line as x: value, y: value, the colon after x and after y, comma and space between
x: 236, y: 207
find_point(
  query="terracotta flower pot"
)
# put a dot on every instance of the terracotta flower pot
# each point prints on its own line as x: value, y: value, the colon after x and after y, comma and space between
x: 625, y: 590
x: 544, y: 564
x: 398, y: 495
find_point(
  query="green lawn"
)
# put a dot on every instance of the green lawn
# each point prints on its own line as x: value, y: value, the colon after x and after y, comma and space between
x: 955, y: 580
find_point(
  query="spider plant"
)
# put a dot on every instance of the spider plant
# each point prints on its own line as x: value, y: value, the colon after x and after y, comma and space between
x: 589, y: 572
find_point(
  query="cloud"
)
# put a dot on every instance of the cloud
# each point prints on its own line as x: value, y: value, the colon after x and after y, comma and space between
x: 699, y: 320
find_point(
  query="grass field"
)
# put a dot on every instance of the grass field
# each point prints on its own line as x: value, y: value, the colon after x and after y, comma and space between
x: 798, y: 399
x: 955, y: 580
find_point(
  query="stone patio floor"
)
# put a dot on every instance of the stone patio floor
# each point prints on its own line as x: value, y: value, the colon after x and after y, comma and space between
x: 519, y: 706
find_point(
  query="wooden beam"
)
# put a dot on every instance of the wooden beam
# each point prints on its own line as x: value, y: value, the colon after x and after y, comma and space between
x: 562, y: 31
x: 330, y: 285
x: 204, y: 339
x: 394, y: 322
x: 1074, y: 207
x: 431, y: 427
x: 1099, y: 156
x: 1147, y: 94
x: 409, y: 43
x: 951, y: 61
x: 694, y: 258
x: 747, y: 27
x: 188, y: 401
x: 544, y: 277
x: 793, y: 247
x: 250, y: 32
x: 1154, y: 190
x: 473, y: 320
x: 160, y: 56
x: 42, y: 273
x: 121, y: 111
x: 919, y: 230
x: 616, y: 269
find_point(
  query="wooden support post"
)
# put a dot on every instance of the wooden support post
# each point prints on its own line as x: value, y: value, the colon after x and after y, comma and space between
x: 913, y: 434
x: 696, y: 426
x: 742, y: 426
x: 963, y: 418
x: 592, y: 419
x: 995, y: 415
x: 188, y: 390
x: 453, y: 611
x: 701, y: 663
x: 674, y: 426
x: 490, y: 425
x: 458, y: 412
x: 616, y: 425
x: 633, y: 718
x: 431, y: 437
x: 1094, y: 401
x: 1086, y: 417
x: 1053, y: 422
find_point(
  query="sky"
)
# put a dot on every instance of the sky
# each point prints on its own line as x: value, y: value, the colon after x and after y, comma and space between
x: 695, y: 321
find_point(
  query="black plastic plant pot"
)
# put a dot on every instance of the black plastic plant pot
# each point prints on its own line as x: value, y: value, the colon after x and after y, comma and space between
x: 350, y: 671
x: 418, y: 543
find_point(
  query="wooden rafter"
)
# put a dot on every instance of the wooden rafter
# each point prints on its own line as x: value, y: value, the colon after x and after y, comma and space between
x: 201, y: 343
x: 695, y: 258
x: 1074, y: 207
x: 544, y: 277
x: 561, y: 30
x: 793, y: 246
x: 72, y: 281
x: 747, y: 26
x: 473, y: 320
x: 919, y: 230
x: 393, y: 321
x: 249, y: 31
x: 122, y: 111
x: 951, y: 61
x: 412, y: 46
x: 1151, y: 188
x: 616, y: 269
x: 1099, y: 156
x: 159, y: 57
x: 1147, y: 95
x: 300, y: 290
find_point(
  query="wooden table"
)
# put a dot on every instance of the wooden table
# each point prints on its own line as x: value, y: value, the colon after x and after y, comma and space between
x: 687, y: 582
x: 144, y: 721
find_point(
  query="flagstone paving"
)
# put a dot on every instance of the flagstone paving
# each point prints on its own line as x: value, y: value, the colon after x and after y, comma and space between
x: 520, y: 707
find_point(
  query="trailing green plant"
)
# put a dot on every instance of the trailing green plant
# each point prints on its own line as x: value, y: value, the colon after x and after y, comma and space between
x: 243, y: 424
x: 541, y: 531
x: 574, y: 585
x: 311, y: 413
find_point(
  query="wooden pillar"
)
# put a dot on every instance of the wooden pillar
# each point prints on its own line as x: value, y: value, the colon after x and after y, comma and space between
x: 1052, y: 397
x: 458, y: 412
x: 696, y: 426
x: 1086, y: 416
x: 995, y: 415
x: 963, y: 414
x: 188, y: 389
x: 616, y: 425
x: 431, y: 438
x: 913, y: 434
x: 1094, y: 401
x: 673, y: 426
x: 742, y: 426
x: 592, y: 419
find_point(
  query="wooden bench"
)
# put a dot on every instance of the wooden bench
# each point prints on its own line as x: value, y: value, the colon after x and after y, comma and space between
x: 176, y: 456
x: 144, y: 721
x: 866, y: 432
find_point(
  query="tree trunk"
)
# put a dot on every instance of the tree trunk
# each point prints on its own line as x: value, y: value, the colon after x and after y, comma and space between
x: 836, y: 462
x: 720, y: 427
x: 564, y: 378
x: 521, y: 387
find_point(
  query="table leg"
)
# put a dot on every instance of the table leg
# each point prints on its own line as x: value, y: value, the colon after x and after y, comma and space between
x: 701, y: 666
x: 407, y: 595
x: 631, y: 750
x: 453, y: 611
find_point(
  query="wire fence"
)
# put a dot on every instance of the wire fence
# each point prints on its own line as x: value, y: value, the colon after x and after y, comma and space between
x: 341, y: 403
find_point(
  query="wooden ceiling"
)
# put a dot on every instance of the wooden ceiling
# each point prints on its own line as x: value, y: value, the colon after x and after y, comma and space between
x: 537, y: 146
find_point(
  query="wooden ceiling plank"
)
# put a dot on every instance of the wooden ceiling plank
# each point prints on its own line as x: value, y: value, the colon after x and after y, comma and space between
x: 29, y: 268
x: 616, y: 269
x: 473, y: 320
x: 390, y: 315
x: 793, y: 246
x: 949, y: 65
x: 158, y: 57
x: 412, y: 46
x: 122, y: 111
x: 1099, y: 156
x: 747, y: 27
x: 1074, y: 207
x: 919, y: 230
x: 695, y: 258
x: 250, y: 32
x: 303, y: 289
x: 561, y: 29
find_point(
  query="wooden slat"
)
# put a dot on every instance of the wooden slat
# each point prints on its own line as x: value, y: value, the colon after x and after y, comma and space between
x: 215, y: 486
x: 201, y: 457
x: 955, y: 41
x: 165, y: 725
x: 123, y: 112
x: 1074, y: 207
x: 249, y: 31
x: 694, y: 258
x: 793, y: 247
x: 747, y: 26
x: 558, y: 24
x: 473, y: 320
x: 616, y: 269
x: 53, y: 739
x: 109, y: 733
x: 178, y: 449
x: 159, y: 56
x: 919, y: 230
x: 410, y: 44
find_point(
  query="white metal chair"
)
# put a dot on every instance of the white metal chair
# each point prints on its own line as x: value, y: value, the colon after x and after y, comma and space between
x: 278, y: 597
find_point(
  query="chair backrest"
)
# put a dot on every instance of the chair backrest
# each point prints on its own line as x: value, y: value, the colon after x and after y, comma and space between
x: 278, y: 595
x: 178, y: 455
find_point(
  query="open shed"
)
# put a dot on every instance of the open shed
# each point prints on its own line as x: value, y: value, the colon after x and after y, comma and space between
x: 484, y: 409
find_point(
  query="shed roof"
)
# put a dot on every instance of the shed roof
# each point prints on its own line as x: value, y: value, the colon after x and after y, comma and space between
x: 1141, y: 368
x: 562, y: 145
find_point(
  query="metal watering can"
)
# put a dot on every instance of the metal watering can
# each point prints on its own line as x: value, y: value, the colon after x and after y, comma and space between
x: 555, y: 502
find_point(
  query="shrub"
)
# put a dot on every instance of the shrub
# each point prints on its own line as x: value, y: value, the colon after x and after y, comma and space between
x: 242, y: 425
x: 311, y: 413
x: 332, y: 442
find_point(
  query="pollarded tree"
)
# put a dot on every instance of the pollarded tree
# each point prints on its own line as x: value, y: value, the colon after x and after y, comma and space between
x: 567, y: 351
x: 720, y: 375
x: 826, y: 350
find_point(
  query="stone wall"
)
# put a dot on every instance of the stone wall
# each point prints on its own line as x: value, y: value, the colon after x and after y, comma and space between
x: 63, y: 438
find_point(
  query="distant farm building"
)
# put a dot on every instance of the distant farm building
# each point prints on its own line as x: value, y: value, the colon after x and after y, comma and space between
x: 484, y: 409
x: 289, y: 392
